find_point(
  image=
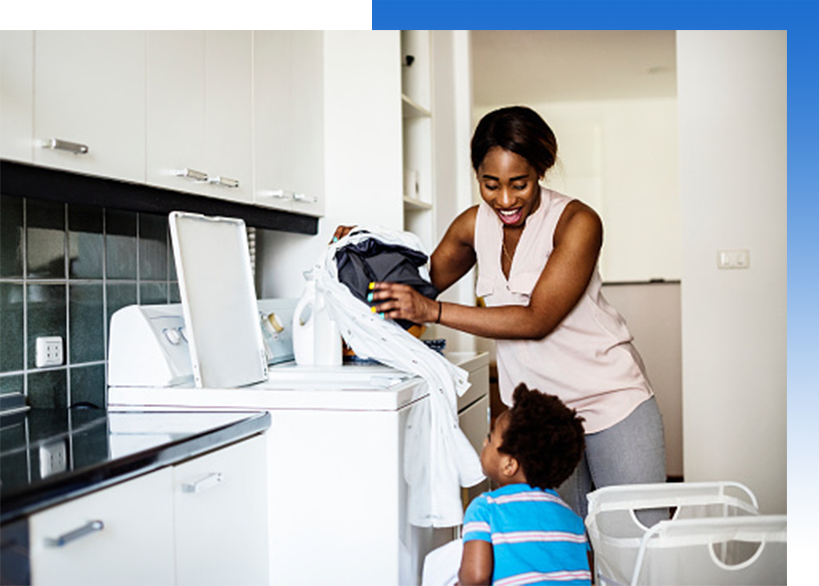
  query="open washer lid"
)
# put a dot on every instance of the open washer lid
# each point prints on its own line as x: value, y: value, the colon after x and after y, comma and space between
x: 218, y: 300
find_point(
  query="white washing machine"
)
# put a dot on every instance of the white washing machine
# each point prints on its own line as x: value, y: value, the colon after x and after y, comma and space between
x: 339, y: 495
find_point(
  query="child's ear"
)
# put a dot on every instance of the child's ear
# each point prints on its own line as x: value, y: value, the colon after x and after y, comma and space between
x: 509, y: 466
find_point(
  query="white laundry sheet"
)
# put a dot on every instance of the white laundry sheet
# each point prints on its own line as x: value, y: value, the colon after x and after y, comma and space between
x: 441, y: 565
x: 438, y: 457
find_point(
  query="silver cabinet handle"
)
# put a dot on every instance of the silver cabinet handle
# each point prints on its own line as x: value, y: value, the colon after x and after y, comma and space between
x: 223, y: 181
x: 209, y: 481
x: 305, y: 198
x: 280, y: 194
x: 64, y: 145
x: 87, y: 529
x: 192, y: 174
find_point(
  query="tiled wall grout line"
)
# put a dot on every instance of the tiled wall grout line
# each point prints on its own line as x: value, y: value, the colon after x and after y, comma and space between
x: 67, y: 345
x: 24, y: 270
x: 105, y: 301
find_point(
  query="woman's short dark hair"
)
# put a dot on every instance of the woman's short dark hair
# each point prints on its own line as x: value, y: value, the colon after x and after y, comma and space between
x: 520, y: 130
x: 544, y: 436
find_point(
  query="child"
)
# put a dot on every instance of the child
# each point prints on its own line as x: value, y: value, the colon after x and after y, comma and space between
x: 522, y: 533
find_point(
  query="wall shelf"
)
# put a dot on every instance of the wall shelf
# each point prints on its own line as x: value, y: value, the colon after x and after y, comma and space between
x: 416, y: 130
x: 410, y: 109
x: 414, y: 204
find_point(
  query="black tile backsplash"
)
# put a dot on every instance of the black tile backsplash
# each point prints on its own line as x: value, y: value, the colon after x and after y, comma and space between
x: 85, y: 242
x: 11, y: 327
x: 121, y: 245
x: 44, y: 247
x: 65, y: 268
x: 86, y: 322
x: 11, y: 241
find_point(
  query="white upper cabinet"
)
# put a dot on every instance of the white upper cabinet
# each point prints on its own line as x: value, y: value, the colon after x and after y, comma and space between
x: 234, y: 115
x: 289, y: 120
x: 272, y: 94
x: 229, y: 114
x: 89, y: 102
x: 16, y: 95
x: 176, y: 110
x: 199, y: 112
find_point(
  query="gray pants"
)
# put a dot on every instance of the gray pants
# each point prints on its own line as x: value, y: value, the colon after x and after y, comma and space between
x: 630, y: 452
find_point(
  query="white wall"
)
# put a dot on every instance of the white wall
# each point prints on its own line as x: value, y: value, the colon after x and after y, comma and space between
x: 620, y: 157
x: 733, y: 169
x: 362, y: 154
x: 452, y: 131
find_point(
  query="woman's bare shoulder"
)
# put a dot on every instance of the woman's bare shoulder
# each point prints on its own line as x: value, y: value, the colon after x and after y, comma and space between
x: 463, y: 226
x: 579, y: 219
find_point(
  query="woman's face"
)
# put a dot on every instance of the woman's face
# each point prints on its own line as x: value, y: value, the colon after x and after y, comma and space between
x: 509, y: 184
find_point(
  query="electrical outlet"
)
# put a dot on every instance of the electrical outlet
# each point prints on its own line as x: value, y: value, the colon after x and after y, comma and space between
x: 53, y: 458
x: 49, y: 351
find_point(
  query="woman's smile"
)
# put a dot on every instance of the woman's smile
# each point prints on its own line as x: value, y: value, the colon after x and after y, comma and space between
x: 511, y: 217
x: 509, y: 184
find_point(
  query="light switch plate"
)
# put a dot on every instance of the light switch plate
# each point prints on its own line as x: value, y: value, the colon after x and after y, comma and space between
x: 733, y: 259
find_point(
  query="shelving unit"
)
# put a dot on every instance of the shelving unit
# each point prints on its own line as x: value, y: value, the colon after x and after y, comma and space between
x: 416, y: 107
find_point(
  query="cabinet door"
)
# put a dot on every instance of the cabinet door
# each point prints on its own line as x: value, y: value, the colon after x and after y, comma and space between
x: 199, y: 134
x: 89, y: 102
x: 228, y: 114
x: 176, y: 110
x: 221, y: 517
x: 306, y: 139
x: 119, y: 535
x: 289, y: 120
x: 16, y: 95
x: 271, y: 118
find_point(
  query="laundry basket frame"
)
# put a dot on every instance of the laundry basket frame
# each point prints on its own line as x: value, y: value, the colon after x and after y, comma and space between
x: 699, y: 498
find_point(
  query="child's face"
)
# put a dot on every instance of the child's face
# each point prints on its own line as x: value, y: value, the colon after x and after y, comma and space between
x: 491, y: 459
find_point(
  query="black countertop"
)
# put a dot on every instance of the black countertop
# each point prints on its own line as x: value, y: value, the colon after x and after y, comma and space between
x: 51, y: 455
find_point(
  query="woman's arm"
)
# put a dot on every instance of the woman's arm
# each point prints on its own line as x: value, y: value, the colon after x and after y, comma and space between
x: 455, y: 254
x: 577, y: 241
x: 477, y: 563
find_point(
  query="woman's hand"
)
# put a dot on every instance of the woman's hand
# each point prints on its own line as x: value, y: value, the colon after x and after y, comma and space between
x: 341, y: 232
x: 397, y: 301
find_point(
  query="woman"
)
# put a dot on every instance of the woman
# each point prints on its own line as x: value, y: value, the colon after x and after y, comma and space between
x: 536, y: 252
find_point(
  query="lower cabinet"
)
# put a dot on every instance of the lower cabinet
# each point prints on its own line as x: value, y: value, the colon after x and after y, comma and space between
x: 200, y: 522
x: 220, y: 503
x: 120, y: 535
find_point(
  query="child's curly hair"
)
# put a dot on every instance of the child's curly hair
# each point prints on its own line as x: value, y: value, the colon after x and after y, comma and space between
x: 544, y: 436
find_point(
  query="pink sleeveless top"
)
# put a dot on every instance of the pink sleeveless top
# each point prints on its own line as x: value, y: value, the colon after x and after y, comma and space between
x: 588, y: 360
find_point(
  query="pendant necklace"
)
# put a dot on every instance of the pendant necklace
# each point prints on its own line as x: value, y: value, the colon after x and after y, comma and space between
x: 505, y: 251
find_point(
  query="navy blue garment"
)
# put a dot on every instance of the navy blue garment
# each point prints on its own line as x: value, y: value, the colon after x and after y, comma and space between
x: 372, y: 260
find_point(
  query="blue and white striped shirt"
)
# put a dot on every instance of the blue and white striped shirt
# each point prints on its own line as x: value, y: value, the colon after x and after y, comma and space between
x: 536, y: 538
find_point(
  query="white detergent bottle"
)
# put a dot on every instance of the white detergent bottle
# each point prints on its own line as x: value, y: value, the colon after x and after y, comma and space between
x: 316, y: 338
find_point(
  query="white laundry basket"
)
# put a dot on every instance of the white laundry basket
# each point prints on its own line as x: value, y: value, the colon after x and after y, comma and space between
x: 715, y: 536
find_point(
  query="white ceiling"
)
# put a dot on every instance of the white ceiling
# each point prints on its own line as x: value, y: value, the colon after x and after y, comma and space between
x: 529, y: 67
